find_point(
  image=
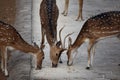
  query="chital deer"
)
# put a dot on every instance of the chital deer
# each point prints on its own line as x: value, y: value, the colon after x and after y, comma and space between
x: 96, y: 28
x: 48, y: 15
x: 65, y: 12
x: 10, y: 38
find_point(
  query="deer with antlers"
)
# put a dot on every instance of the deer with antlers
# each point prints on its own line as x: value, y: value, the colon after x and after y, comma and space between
x: 11, y: 39
x: 96, y: 28
x: 48, y: 15
x: 65, y: 12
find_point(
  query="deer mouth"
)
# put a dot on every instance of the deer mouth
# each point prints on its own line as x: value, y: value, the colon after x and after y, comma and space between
x: 39, y: 67
x: 54, y: 65
x: 69, y: 63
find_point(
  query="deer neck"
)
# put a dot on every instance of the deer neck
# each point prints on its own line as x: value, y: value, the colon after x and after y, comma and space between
x: 25, y: 47
x: 79, y: 41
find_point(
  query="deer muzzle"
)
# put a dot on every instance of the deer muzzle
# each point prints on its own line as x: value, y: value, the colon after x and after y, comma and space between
x: 54, y: 65
x: 69, y: 63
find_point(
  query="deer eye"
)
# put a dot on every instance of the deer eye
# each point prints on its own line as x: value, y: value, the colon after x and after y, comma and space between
x: 56, y: 54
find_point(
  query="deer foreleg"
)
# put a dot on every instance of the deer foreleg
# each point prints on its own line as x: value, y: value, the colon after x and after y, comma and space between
x: 4, y: 60
x: 91, y: 44
x: 80, y: 10
x: 43, y: 35
x: 93, y: 52
x: 1, y: 54
x: 65, y: 12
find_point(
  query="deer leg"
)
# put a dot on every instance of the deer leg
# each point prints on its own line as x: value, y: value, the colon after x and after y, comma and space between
x: 0, y: 56
x: 93, y: 52
x: 80, y: 10
x: 91, y: 44
x: 118, y: 36
x: 65, y: 12
x: 43, y: 34
x: 9, y: 53
x: 4, y: 58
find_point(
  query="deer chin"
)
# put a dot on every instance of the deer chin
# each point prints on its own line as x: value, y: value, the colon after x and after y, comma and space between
x: 73, y: 55
x: 38, y: 67
x: 54, y: 65
x: 70, y: 63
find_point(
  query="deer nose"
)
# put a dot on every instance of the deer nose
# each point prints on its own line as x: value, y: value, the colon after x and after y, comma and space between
x: 69, y: 63
x: 54, y: 65
x: 38, y: 67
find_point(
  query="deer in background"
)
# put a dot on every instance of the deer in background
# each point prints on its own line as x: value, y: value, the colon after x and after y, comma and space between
x: 96, y: 28
x: 65, y: 12
x: 11, y: 39
x: 48, y: 15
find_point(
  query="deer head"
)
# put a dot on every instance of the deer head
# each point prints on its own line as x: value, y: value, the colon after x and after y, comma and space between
x: 55, y: 53
x: 56, y: 50
x: 71, y: 52
x: 39, y: 55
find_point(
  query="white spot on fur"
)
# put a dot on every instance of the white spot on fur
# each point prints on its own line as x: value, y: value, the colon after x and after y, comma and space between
x: 87, y: 40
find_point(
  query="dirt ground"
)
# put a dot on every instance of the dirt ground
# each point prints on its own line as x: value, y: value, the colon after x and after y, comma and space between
x: 7, y: 14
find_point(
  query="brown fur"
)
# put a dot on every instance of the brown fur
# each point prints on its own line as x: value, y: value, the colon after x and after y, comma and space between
x: 48, y: 17
x: 9, y: 37
x: 95, y: 28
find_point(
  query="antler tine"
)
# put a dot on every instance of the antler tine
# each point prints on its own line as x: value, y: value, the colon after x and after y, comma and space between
x: 60, y: 34
x: 42, y: 46
x: 66, y: 37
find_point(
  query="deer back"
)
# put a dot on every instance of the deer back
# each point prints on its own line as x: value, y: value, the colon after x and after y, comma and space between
x: 8, y: 34
x: 10, y: 37
x: 102, y: 25
x: 49, y: 14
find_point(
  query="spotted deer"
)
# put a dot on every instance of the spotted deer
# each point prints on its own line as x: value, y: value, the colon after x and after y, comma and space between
x: 65, y: 12
x: 48, y: 16
x: 95, y: 28
x: 11, y: 39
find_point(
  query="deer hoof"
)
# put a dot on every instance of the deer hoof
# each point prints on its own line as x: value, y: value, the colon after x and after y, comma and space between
x: 60, y: 62
x: 7, y: 75
x: 88, y: 68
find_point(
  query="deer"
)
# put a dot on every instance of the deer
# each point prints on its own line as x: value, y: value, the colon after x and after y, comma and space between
x: 10, y: 39
x: 65, y: 11
x: 96, y: 28
x: 49, y: 13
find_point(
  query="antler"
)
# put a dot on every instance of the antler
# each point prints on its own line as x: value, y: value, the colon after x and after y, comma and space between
x: 66, y: 37
x: 63, y: 44
x: 60, y: 36
x: 60, y: 42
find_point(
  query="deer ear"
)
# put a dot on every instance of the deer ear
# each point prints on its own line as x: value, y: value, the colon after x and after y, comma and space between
x: 58, y: 43
x: 42, y: 46
x: 69, y: 41
x: 36, y: 45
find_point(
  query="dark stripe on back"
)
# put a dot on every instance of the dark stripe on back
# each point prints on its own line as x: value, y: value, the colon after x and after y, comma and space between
x: 49, y: 4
